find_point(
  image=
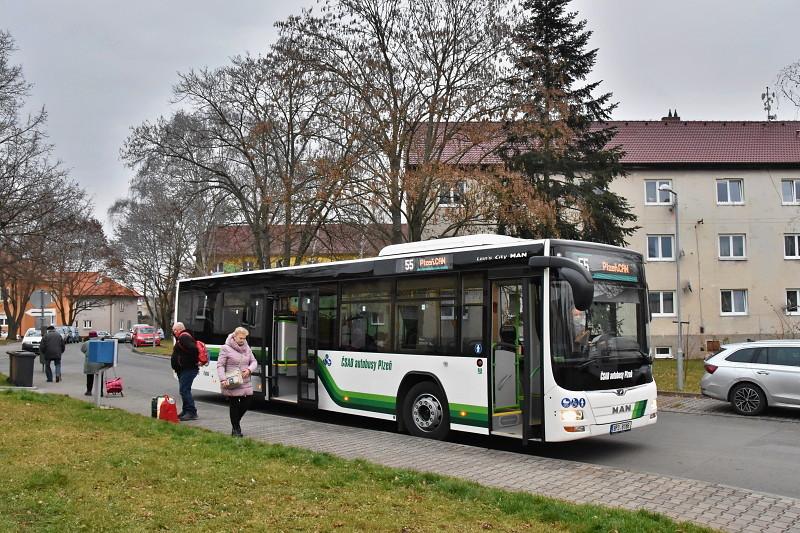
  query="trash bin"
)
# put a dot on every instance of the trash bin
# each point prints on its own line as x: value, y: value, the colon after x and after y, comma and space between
x: 21, y: 368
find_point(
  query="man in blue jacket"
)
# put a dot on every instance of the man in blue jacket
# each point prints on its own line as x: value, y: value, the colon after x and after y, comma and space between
x: 184, y: 363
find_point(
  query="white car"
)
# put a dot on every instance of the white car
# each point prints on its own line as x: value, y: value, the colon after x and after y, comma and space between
x: 754, y: 375
x: 31, y: 340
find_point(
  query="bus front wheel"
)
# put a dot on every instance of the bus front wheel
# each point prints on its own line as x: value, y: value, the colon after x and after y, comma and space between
x: 425, y: 411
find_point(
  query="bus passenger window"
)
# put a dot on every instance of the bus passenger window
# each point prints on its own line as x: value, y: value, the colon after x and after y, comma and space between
x: 365, y: 315
x: 472, y: 315
x: 425, y: 315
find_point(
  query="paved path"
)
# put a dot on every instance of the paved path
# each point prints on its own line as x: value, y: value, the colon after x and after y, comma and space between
x: 700, y: 405
x: 718, y: 506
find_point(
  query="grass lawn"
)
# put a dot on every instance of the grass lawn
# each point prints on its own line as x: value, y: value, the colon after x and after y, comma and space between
x: 665, y: 372
x: 164, y: 349
x: 66, y: 465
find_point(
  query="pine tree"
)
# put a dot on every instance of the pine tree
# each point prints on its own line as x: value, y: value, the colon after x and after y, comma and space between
x: 557, y: 155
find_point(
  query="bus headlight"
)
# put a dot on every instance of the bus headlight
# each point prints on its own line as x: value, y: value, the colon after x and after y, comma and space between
x: 571, y: 415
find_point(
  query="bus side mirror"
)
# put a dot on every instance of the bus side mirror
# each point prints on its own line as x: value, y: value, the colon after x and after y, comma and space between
x: 576, y: 275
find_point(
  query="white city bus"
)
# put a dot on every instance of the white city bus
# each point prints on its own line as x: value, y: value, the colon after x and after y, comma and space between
x: 542, y: 340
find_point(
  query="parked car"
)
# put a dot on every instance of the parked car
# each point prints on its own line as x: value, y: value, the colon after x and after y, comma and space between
x: 145, y: 335
x: 123, y: 336
x: 102, y: 335
x: 31, y: 340
x: 160, y: 333
x: 64, y: 331
x: 754, y: 375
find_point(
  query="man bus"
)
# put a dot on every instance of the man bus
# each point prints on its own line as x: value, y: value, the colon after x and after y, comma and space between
x: 540, y: 340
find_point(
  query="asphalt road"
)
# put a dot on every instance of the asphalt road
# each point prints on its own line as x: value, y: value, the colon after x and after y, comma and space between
x: 758, y: 455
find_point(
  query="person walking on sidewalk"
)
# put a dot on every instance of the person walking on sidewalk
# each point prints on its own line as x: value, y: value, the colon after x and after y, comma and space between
x: 236, y: 359
x: 184, y: 363
x: 51, y: 348
x: 90, y: 369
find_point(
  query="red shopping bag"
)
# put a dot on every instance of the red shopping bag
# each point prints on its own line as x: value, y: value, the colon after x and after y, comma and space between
x: 167, y: 410
x: 114, y: 386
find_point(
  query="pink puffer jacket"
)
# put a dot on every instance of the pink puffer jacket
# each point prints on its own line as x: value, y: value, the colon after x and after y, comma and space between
x: 232, y: 356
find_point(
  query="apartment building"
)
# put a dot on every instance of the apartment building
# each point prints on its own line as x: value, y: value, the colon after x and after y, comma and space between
x: 737, y: 202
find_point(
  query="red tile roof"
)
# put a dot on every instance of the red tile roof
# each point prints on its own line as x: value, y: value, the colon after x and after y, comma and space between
x: 656, y: 142
x: 697, y: 142
x: 96, y: 284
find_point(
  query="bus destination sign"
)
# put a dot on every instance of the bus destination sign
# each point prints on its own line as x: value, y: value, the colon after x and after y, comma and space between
x: 607, y: 267
x: 430, y: 263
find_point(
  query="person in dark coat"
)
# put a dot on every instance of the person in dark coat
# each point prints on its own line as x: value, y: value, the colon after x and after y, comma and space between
x: 51, y: 348
x: 184, y: 363
x: 90, y: 369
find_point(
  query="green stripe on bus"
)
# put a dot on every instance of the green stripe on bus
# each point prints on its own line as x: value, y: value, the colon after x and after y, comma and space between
x: 639, y: 408
x: 376, y: 403
x: 469, y: 415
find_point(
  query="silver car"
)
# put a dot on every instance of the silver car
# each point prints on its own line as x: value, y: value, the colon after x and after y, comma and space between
x: 754, y: 375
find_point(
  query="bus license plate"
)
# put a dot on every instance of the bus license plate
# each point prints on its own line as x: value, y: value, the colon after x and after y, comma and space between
x: 620, y: 427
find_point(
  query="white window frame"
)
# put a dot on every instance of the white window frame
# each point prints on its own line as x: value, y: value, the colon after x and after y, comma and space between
x: 219, y: 267
x: 796, y: 311
x: 87, y: 324
x: 730, y: 237
x: 454, y: 195
x: 660, y: 237
x: 121, y: 306
x: 659, y: 192
x: 666, y: 352
x: 728, y: 183
x: 795, y: 192
x: 661, y: 303
x: 733, y: 312
x: 247, y: 266
x: 796, y: 237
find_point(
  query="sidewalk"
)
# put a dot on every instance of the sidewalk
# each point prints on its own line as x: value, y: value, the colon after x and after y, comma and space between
x: 722, y: 507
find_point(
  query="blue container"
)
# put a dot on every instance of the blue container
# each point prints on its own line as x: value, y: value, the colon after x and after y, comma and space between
x: 101, y: 352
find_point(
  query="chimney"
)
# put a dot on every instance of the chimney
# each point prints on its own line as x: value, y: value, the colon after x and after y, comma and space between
x: 671, y: 117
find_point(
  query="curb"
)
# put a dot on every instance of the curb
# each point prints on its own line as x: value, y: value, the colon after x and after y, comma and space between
x: 14, y: 387
x: 681, y: 394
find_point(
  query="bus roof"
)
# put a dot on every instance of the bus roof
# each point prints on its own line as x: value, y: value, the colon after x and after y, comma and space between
x: 450, y: 245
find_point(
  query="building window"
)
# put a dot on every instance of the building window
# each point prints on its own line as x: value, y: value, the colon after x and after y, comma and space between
x: 731, y: 247
x: 729, y: 192
x: 733, y: 302
x: 662, y: 352
x: 121, y: 308
x: 653, y: 195
x: 791, y: 246
x: 121, y: 324
x: 247, y: 266
x: 662, y: 303
x: 219, y: 267
x: 659, y: 248
x: 453, y: 196
x: 790, y: 192
x: 87, y: 324
x: 792, y: 298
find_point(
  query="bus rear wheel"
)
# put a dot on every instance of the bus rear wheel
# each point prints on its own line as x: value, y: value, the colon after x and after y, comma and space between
x: 425, y: 411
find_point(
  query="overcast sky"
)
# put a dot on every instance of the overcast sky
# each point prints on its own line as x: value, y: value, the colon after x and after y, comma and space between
x: 101, y: 67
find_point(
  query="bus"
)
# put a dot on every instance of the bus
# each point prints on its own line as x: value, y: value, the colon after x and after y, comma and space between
x: 538, y: 340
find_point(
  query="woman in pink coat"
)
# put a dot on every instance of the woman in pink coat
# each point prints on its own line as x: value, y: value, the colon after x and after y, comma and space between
x: 236, y: 355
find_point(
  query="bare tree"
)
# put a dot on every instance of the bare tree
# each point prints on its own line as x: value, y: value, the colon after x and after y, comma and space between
x: 74, y: 259
x: 417, y: 70
x: 255, y: 133
x: 160, y: 229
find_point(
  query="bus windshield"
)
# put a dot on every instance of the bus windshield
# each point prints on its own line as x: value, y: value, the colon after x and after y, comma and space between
x: 604, y: 347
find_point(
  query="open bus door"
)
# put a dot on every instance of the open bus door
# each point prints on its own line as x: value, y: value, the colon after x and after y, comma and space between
x: 258, y: 322
x: 516, y: 360
x: 307, y: 346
